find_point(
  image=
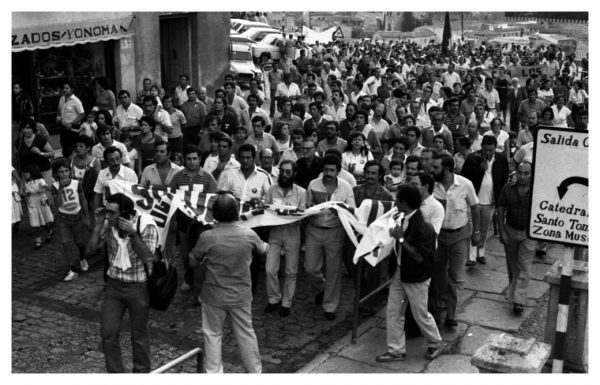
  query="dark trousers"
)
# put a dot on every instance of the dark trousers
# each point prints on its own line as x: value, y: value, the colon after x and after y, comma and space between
x: 176, y: 144
x: 189, y: 237
x: 67, y: 141
x: 190, y: 135
x: 118, y: 297
x: 263, y: 234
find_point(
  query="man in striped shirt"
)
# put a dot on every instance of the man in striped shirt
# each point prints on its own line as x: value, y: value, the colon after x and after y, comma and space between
x: 192, y: 179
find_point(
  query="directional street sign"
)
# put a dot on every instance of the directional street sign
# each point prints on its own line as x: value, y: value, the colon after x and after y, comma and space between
x: 559, y: 203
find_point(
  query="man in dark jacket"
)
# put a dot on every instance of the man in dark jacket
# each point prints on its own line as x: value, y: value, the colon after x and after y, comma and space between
x: 488, y: 171
x: 415, y: 246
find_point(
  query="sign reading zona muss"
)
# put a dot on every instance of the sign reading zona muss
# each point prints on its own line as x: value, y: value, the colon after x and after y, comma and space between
x: 559, y: 198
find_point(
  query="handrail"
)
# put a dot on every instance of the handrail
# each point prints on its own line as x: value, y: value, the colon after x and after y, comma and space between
x: 178, y: 361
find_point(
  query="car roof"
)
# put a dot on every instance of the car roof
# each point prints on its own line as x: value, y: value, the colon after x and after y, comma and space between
x: 240, y: 39
x: 254, y: 30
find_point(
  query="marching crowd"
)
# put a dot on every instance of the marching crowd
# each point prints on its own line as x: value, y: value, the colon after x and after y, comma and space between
x: 447, y: 135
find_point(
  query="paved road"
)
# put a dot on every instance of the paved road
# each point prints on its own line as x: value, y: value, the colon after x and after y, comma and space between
x: 56, y: 325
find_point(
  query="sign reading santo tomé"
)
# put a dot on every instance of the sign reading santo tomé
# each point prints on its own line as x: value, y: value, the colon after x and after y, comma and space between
x: 559, y: 202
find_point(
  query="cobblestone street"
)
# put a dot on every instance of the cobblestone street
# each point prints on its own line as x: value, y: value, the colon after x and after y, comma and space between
x: 56, y: 324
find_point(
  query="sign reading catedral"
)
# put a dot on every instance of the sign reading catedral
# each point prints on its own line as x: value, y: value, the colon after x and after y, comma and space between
x: 559, y: 206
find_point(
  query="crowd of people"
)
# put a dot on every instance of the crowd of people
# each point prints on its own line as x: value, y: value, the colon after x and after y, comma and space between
x: 446, y: 135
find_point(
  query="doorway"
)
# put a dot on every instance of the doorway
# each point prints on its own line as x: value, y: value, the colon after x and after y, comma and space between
x: 175, y: 50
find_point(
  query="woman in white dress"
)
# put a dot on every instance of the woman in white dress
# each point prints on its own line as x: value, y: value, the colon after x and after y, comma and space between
x: 501, y: 135
x: 562, y: 114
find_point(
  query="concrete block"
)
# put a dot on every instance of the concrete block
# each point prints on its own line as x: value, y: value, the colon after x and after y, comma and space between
x: 454, y: 363
x: 492, y: 314
x: 474, y: 338
x: 345, y: 365
x: 508, y: 354
x: 373, y: 343
x: 502, y: 298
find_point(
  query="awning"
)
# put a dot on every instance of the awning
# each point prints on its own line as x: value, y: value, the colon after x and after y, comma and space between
x: 41, y: 30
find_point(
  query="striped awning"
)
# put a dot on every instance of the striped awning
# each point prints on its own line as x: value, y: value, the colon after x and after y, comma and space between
x: 42, y: 30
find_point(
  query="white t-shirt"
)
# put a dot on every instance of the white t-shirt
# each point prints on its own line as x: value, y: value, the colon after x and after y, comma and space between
x: 486, y: 191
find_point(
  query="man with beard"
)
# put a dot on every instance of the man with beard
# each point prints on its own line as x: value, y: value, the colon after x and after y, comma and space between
x: 349, y: 124
x: 338, y: 107
x: 456, y: 193
x: 284, y: 195
x: 426, y: 158
x: 164, y: 126
x: 332, y: 139
x: 325, y: 233
x: 371, y: 189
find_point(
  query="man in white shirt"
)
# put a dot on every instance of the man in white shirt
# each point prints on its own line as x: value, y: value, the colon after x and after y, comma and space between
x: 288, y: 88
x: 491, y: 96
x: 162, y: 117
x: 456, y: 194
x: 181, y: 90
x: 69, y: 114
x: 127, y: 114
x: 105, y: 141
x: 450, y: 77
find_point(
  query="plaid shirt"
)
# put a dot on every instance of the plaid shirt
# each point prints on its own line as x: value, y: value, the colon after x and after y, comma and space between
x: 136, y: 273
x: 517, y: 206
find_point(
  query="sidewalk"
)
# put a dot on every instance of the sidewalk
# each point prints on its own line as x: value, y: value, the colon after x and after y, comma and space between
x: 483, y: 312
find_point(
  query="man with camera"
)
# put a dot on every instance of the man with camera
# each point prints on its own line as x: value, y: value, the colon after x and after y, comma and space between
x: 130, y: 241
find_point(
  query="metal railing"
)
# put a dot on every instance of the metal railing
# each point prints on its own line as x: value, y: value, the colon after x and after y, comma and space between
x: 197, y: 352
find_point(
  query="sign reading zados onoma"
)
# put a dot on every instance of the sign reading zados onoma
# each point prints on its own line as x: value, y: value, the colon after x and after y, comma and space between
x: 559, y: 203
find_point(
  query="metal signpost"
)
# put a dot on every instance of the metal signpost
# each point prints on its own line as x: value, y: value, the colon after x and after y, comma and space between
x: 559, y: 208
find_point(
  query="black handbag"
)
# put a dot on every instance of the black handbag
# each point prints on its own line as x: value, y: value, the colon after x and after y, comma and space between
x: 162, y: 283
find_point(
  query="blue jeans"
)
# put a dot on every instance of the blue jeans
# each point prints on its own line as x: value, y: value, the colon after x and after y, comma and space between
x: 135, y: 298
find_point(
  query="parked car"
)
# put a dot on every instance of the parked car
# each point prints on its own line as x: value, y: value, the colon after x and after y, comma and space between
x: 268, y: 48
x: 258, y: 33
x: 241, y: 64
x: 242, y: 25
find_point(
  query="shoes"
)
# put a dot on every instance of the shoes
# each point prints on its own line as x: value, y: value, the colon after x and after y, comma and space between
x: 84, y: 265
x: 481, y: 260
x: 71, y: 276
x: 389, y: 357
x: 470, y: 263
x: 284, y: 311
x: 49, y: 236
x: 319, y: 298
x: 517, y: 308
x: 450, y: 322
x: 185, y: 286
x: 329, y: 316
x: 540, y: 253
x: 271, y: 307
x: 434, y: 352
x: 38, y: 244
x: 366, y: 311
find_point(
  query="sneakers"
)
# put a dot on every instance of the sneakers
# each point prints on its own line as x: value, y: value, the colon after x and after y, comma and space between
x: 271, y: 307
x: 84, y: 265
x: 71, y: 276
x: 390, y: 357
x: 319, y: 298
x: 185, y: 286
x: 481, y: 260
x: 470, y: 263
x: 284, y: 311
x: 329, y: 316
x: 434, y: 352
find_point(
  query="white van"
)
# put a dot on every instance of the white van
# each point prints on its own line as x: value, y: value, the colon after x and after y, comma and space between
x: 241, y: 64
